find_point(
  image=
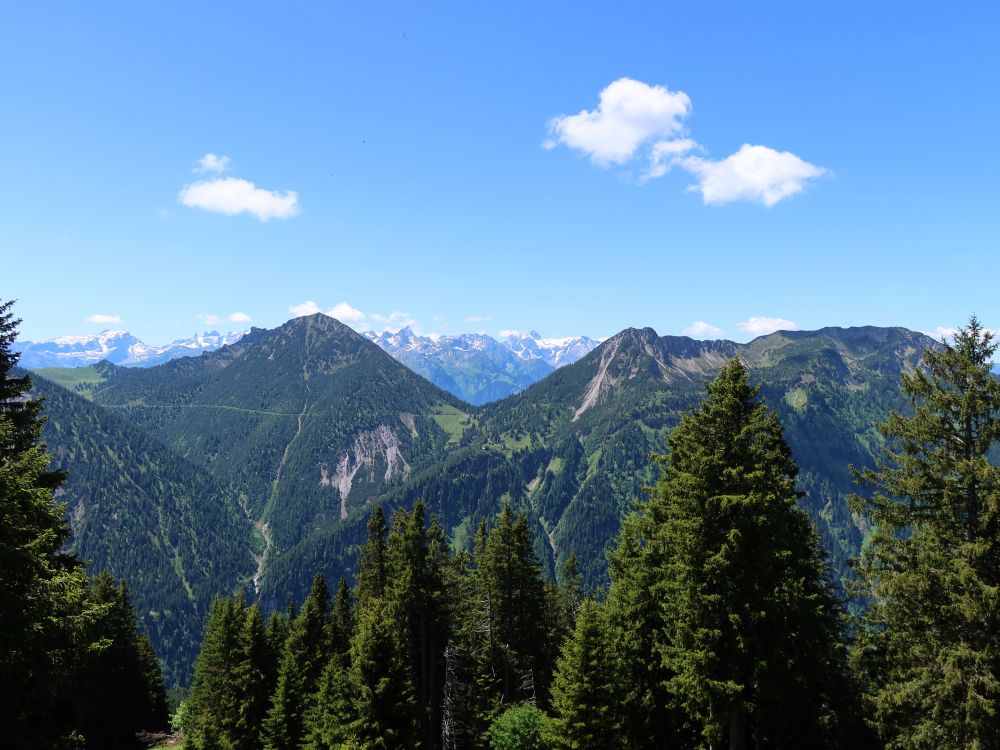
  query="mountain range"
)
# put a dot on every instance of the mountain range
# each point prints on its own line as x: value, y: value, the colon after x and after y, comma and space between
x: 117, y: 347
x: 253, y: 466
x: 475, y: 367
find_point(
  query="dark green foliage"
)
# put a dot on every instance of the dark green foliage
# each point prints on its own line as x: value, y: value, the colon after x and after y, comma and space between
x: 122, y: 691
x: 746, y: 629
x: 385, y: 710
x: 69, y: 654
x: 150, y: 517
x: 931, y: 571
x: 268, y: 432
x: 215, y: 705
x: 521, y: 727
x: 586, y: 703
x: 329, y: 724
x: 416, y: 558
x: 306, y: 653
x: 256, y: 673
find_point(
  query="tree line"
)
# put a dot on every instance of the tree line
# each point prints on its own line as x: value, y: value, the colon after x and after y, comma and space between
x: 720, y: 626
x: 75, y: 671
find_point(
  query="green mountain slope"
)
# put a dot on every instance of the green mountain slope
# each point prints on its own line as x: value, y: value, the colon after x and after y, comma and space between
x: 304, y: 422
x: 304, y: 427
x: 137, y: 509
x: 574, y: 448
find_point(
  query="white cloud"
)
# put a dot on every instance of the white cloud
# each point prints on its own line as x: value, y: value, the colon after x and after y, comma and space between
x: 345, y: 313
x: 306, y: 308
x: 941, y: 333
x: 102, y: 318
x: 665, y: 154
x: 209, y: 319
x: 632, y: 114
x: 341, y: 311
x: 754, y: 173
x: 759, y: 326
x: 507, y: 333
x: 629, y: 114
x: 478, y: 319
x: 702, y: 330
x: 395, y: 320
x: 211, y: 163
x: 232, y: 196
x: 239, y: 317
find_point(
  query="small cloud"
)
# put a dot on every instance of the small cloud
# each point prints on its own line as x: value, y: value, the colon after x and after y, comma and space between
x: 164, y: 214
x: 345, y: 313
x: 759, y: 326
x: 341, y: 311
x: 211, y: 163
x: 754, y: 173
x: 478, y: 319
x: 395, y: 320
x: 665, y: 154
x: 510, y: 333
x: 702, y: 330
x: 306, y: 308
x: 208, y: 319
x: 239, y: 317
x: 941, y: 333
x: 232, y: 196
x: 102, y: 318
x: 630, y: 113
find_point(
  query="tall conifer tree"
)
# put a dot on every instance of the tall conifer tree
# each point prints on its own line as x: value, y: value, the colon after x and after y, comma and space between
x: 47, y: 616
x: 931, y: 636
x: 306, y: 652
x: 746, y: 634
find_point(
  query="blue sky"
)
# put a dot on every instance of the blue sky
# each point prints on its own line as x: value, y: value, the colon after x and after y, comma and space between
x: 455, y: 165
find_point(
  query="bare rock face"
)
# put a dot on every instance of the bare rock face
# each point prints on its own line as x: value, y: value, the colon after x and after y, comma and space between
x: 380, y: 444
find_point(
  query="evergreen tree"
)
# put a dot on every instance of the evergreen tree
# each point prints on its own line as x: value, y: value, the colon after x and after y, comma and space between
x: 342, y: 619
x: 511, y: 650
x: 306, y: 652
x: 584, y: 703
x: 747, y: 636
x: 372, y: 563
x: 217, y: 691
x: 416, y: 595
x: 253, y: 673
x: 122, y: 691
x: 332, y: 714
x: 46, y: 611
x: 930, y: 641
x: 386, y: 713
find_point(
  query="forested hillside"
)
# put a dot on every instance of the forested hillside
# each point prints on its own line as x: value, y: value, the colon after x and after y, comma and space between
x: 305, y: 426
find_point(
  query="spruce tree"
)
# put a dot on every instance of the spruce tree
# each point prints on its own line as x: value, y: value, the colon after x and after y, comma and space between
x: 930, y: 641
x: 415, y: 562
x: 253, y: 673
x: 331, y: 717
x: 217, y: 691
x: 385, y: 711
x: 510, y: 626
x: 372, y: 563
x: 586, y: 709
x: 306, y: 652
x: 46, y: 611
x: 342, y: 619
x: 122, y: 692
x: 746, y: 637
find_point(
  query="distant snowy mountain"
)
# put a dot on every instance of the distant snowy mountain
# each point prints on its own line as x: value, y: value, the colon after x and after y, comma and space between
x: 118, y: 347
x: 557, y: 352
x: 477, y: 367
x: 473, y: 366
